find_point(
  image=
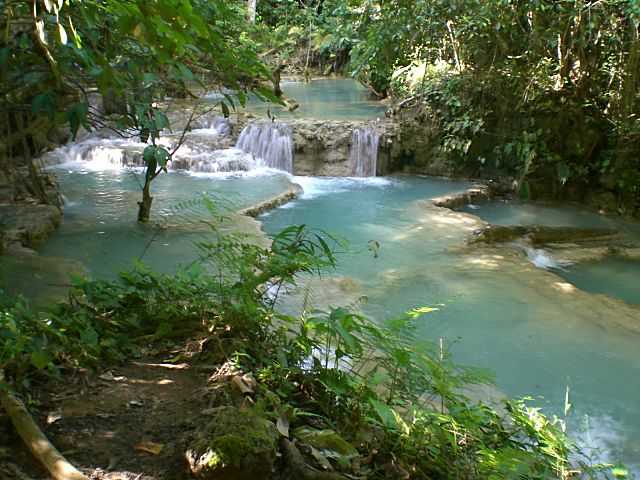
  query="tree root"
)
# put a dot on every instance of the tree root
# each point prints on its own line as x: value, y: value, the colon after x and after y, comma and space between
x: 57, y: 466
x: 299, y: 468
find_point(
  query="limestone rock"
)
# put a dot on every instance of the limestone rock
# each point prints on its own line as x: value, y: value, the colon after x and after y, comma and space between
x: 29, y: 224
x: 542, y: 235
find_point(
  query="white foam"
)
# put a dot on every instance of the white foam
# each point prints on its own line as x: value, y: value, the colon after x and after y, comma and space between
x: 317, y: 186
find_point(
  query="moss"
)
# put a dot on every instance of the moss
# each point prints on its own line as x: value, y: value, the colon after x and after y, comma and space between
x: 234, y: 444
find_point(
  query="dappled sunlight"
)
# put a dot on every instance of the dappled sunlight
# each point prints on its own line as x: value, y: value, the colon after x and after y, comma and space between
x: 140, y: 381
x: 487, y: 261
x: 564, y: 287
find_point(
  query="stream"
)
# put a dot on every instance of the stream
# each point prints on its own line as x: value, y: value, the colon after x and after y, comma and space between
x: 538, y: 331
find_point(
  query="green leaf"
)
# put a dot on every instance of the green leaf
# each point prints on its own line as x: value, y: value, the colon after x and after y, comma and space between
x: 40, y: 359
x: 89, y: 336
x: 161, y: 121
x: 185, y: 72
x: 76, y: 37
x: 385, y: 413
x: 44, y: 103
x: 161, y: 157
x: 5, y: 53
x: 148, y: 154
x: 77, y: 116
x: 225, y: 109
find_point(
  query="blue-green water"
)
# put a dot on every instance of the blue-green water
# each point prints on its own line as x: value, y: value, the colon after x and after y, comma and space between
x: 337, y: 99
x: 501, y: 212
x: 537, y: 332
x: 100, y: 228
x: 498, y: 312
x: 616, y: 277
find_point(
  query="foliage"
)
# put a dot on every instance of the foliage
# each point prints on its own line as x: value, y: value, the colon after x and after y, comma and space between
x: 56, y: 55
x: 548, y: 92
x: 399, y: 400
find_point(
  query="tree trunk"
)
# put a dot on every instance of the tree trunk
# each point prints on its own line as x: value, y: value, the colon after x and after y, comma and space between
x: 251, y: 7
x: 144, y: 211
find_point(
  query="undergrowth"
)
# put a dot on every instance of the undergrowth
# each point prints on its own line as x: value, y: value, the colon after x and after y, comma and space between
x: 396, y: 400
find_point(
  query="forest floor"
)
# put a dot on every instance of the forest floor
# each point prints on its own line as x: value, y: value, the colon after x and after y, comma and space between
x: 123, y: 423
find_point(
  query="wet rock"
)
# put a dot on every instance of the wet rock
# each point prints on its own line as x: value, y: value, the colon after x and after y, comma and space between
x: 542, y: 235
x: 29, y: 224
x: 477, y: 193
x: 233, y: 445
x: 293, y: 192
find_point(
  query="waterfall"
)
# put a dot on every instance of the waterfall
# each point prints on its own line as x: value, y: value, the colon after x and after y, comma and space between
x: 215, y: 125
x: 271, y: 143
x: 364, y: 152
x: 228, y: 160
x: 100, y: 153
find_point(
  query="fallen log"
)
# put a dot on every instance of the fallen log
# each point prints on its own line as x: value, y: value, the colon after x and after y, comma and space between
x: 41, y: 448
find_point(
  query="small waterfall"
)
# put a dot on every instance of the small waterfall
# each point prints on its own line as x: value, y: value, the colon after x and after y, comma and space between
x: 364, y: 152
x: 98, y: 154
x: 105, y: 153
x: 542, y: 258
x: 271, y: 143
x: 229, y: 160
x: 215, y: 125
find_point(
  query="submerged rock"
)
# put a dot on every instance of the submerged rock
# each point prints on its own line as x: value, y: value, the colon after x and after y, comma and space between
x: 542, y: 235
x: 233, y: 445
x: 29, y: 224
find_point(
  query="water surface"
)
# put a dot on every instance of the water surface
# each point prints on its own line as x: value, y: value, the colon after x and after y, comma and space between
x: 330, y: 99
x: 616, y: 277
x: 537, y: 333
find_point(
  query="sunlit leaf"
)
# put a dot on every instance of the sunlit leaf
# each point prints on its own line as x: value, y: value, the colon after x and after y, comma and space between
x: 40, y: 31
x: 62, y: 34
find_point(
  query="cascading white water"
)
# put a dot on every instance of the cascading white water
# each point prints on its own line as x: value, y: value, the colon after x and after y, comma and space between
x: 215, y: 125
x: 271, y: 143
x: 200, y: 152
x: 228, y: 160
x: 364, y: 152
x: 541, y: 258
x: 99, y: 152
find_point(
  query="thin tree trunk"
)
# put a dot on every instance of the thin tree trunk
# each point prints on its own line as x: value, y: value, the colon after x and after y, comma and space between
x: 252, y: 7
x: 454, y: 45
x: 144, y: 210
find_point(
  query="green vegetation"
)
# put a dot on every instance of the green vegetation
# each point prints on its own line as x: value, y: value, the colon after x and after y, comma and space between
x: 546, y: 92
x: 56, y: 56
x: 362, y: 393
